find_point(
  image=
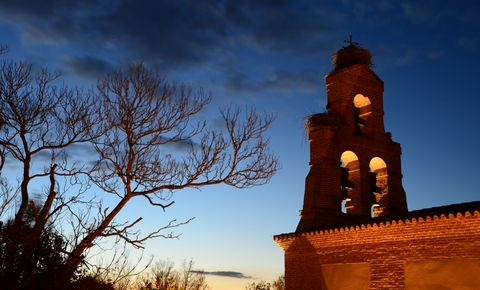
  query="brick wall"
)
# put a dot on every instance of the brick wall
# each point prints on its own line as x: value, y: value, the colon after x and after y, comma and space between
x: 386, y: 247
x: 336, y: 131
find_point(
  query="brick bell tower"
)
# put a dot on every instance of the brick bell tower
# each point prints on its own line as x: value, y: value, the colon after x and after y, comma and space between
x: 355, y: 169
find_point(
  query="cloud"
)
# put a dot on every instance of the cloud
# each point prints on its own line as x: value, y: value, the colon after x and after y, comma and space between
x: 280, y: 80
x: 419, y: 12
x: 11, y: 165
x: 174, y: 33
x: 87, y: 66
x: 51, y: 21
x: 286, y: 26
x: 43, y: 156
x: 304, y: 80
x: 434, y: 54
x: 33, y: 8
x: 411, y: 56
x: 230, y: 274
x: 182, y: 145
x: 468, y: 43
x: 82, y: 149
x: 90, y: 38
x: 437, y: 13
x: 359, y: 8
x: 239, y: 82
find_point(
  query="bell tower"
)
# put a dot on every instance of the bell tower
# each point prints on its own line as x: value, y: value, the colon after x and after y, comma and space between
x: 355, y: 168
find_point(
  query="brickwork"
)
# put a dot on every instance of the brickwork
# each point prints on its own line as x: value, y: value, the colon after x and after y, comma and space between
x: 386, y: 246
x: 355, y: 162
x: 347, y: 126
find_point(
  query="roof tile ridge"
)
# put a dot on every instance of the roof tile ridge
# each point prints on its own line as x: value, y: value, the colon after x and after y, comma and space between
x: 388, y: 223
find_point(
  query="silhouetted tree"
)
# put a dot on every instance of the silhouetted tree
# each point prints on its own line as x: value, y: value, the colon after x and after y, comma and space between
x: 38, y: 119
x: 90, y: 283
x: 3, y: 49
x: 262, y: 285
x: 29, y: 264
x: 128, y: 121
x: 143, y: 113
x: 163, y: 276
x: 278, y: 284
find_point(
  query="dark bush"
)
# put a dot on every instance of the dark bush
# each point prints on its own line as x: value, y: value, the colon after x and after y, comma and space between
x: 26, y: 263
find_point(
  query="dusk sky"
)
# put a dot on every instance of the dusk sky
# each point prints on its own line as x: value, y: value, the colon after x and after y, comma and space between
x: 274, y: 55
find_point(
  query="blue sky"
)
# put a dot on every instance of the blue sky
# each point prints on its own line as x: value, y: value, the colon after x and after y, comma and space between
x: 274, y: 55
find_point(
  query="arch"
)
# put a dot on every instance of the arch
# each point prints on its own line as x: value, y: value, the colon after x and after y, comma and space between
x: 362, y: 111
x: 349, y: 176
x: 378, y: 185
x: 377, y: 163
x: 361, y: 101
x: 347, y: 157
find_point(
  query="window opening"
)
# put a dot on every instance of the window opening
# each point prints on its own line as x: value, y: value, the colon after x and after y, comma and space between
x: 361, y: 112
x: 378, y: 180
x: 348, y: 163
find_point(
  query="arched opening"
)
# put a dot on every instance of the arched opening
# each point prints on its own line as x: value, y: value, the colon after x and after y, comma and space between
x: 372, y: 210
x: 361, y: 111
x: 349, y: 174
x: 378, y: 185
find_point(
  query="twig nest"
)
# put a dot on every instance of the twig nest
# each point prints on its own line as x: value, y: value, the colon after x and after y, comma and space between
x: 351, y: 55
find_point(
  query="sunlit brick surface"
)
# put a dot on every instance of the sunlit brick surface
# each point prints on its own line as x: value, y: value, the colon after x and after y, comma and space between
x: 386, y: 247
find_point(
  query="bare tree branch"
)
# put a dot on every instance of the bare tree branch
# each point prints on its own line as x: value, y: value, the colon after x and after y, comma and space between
x: 38, y: 116
x: 134, y: 122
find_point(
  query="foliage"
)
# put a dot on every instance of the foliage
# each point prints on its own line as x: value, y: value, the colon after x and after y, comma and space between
x: 163, y: 276
x: 29, y: 264
x: 35, y: 264
x: 262, y: 285
x: 90, y: 283
x: 278, y: 284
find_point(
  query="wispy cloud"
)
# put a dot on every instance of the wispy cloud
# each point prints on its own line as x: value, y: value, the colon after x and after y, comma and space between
x: 191, y: 35
x: 230, y: 274
x: 279, y: 80
x: 471, y: 43
x: 172, y: 33
x: 87, y: 66
x: 182, y: 145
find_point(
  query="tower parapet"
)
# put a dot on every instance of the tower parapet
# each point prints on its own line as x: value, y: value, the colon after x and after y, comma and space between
x: 355, y: 167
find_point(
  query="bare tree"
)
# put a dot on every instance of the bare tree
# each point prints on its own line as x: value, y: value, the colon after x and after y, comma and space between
x: 7, y: 196
x: 262, y: 285
x: 191, y: 279
x: 144, y: 113
x: 118, y: 268
x: 39, y: 117
x: 40, y: 120
x: 3, y: 50
x: 163, y: 276
x: 277, y: 284
x: 135, y: 117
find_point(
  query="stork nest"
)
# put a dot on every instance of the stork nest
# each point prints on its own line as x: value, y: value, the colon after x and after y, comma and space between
x: 351, y: 55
